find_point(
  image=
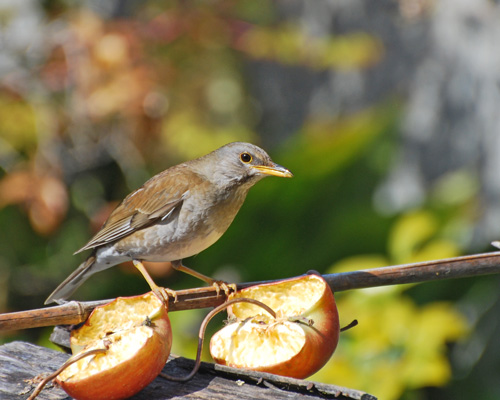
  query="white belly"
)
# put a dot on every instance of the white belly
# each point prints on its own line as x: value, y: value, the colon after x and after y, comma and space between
x: 167, y: 250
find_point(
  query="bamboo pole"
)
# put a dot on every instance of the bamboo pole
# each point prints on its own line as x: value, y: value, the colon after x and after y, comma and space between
x: 458, y: 267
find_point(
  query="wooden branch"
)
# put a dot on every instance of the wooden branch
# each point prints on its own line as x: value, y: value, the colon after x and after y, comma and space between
x: 450, y: 268
x: 75, y: 312
x: 458, y: 267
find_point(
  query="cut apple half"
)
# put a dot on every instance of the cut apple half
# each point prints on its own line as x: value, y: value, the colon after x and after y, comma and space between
x: 136, y: 337
x: 297, y: 343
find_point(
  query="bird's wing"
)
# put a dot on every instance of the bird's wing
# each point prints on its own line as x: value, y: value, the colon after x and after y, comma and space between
x: 154, y: 201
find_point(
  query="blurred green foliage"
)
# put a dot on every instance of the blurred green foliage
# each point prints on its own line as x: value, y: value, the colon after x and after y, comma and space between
x: 108, y: 102
x: 398, y: 344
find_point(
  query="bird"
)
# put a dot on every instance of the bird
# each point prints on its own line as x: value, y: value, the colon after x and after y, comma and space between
x: 176, y: 214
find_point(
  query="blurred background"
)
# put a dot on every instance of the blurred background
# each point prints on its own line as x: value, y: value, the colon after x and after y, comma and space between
x: 387, y: 113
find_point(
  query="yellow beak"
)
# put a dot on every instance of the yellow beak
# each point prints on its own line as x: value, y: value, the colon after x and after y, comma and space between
x: 274, y: 170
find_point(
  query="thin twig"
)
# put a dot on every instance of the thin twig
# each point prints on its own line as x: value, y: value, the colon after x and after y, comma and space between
x: 201, y: 334
x: 451, y: 268
x: 351, y: 325
x: 54, y: 374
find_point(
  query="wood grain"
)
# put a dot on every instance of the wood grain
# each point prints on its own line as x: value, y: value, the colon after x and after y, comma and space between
x: 21, y: 362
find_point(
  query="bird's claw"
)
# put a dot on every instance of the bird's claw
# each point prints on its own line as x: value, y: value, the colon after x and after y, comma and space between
x: 227, y: 288
x: 164, y: 294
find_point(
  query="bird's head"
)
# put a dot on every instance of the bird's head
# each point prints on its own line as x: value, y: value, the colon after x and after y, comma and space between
x: 242, y: 163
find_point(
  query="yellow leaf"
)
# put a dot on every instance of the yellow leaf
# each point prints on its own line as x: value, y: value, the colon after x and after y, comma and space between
x: 17, y: 123
x: 290, y: 45
x: 186, y: 137
x: 355, y: 263
x: 435, y: 250
x: 410, y: 232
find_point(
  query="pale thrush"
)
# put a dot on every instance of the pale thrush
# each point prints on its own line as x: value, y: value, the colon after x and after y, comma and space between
x: 176, y: 214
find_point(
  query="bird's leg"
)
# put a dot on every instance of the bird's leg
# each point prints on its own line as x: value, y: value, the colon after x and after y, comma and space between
x: 177, y: 265
x: 227, y: 288
x: 161, y: 293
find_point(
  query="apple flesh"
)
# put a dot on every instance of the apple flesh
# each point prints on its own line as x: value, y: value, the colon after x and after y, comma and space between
x: 296, y: 344
x: 137, y: 334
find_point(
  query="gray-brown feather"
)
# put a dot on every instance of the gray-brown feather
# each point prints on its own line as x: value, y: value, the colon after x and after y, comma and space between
x: 176, y: 214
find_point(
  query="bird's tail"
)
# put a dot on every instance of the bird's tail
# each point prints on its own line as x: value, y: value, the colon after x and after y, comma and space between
x: 72, y: 282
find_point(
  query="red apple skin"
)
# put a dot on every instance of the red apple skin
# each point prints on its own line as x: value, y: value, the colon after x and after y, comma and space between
x: 131, y: 376
x: 321, y: 339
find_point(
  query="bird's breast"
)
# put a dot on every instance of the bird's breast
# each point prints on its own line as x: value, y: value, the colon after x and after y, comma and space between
x: 190, y: 229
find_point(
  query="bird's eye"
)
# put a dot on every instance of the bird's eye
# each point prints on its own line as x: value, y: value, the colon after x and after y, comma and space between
x: 246, y: 157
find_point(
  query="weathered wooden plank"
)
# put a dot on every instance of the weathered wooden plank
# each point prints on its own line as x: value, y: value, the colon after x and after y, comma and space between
x: 20, y: 361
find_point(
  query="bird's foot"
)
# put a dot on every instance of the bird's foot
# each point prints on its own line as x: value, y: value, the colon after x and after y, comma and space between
x: 160, y: 292
x: 227, y: 288
x: 164, y: 294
